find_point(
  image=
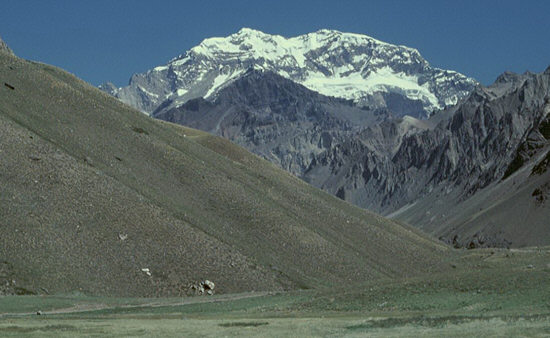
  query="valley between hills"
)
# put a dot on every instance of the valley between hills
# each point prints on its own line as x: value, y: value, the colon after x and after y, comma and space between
x: 117, y: 223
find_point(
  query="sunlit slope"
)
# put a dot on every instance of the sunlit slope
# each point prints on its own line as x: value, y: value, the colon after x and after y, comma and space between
x: 92, y: 192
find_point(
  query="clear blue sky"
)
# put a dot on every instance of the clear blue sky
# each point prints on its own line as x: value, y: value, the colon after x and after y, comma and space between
x: 110, y: 40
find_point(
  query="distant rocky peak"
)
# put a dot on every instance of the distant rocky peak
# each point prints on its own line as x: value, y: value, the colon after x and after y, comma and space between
x: 508, y: 76
x: 109, y: 88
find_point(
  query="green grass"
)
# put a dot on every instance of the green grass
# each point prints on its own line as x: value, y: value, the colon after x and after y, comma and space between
x: 490, y: 293
x: 32, y: 304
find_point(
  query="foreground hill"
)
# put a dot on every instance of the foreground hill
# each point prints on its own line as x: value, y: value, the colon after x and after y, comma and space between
x: 93, y: 193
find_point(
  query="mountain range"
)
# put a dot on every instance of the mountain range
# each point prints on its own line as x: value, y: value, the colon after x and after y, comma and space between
x: 447, y: 165
x: 466, y: 175
x: 356, y: 67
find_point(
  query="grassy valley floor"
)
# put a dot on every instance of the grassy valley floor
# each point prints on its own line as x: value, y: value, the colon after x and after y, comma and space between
x: 490, y: 292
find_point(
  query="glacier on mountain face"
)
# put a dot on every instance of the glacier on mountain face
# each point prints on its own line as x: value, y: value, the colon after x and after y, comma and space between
x: 346, y: 65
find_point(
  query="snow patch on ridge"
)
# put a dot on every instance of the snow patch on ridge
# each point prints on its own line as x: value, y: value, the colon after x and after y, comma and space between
x: 221, y: 81
x: 148, y: 92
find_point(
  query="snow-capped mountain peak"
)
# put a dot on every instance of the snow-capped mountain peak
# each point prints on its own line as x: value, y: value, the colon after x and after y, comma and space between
x: 333, y: 63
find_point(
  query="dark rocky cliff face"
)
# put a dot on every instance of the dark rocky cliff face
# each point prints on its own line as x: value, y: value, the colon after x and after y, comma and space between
x: 470, y: 148
x: 467, y: 152
x: 275, y: 118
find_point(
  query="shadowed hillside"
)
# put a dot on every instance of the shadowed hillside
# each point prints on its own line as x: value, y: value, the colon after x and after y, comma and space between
x: 92, y: 192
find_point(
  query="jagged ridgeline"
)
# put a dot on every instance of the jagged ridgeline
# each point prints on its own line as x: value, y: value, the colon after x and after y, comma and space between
x: 357, y: 67
x: 473, y: 174
x: 97, y: 197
